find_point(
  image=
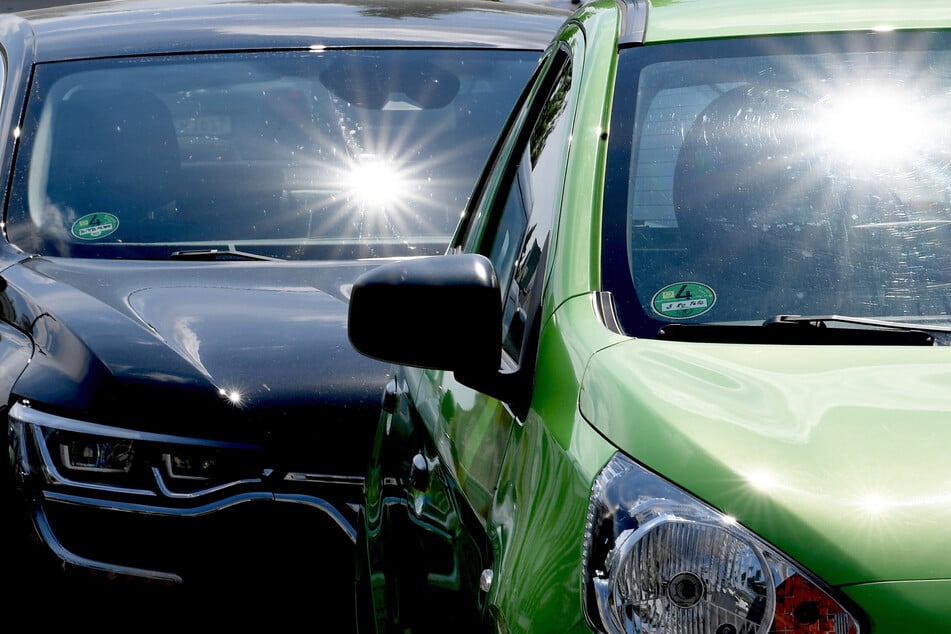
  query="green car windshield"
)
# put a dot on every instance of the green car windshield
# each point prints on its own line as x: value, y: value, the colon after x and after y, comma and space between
x: 801, y: 175
x: 298, y: 155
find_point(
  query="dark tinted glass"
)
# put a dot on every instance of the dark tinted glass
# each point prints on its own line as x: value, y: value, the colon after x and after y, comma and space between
x: 301, y: 155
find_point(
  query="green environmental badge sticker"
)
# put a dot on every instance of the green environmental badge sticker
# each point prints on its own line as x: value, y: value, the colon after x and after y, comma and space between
x: 94, y: 226
x: 683, y: 300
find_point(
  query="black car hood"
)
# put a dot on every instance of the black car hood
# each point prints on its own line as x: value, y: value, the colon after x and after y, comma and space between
x: 175, y: 342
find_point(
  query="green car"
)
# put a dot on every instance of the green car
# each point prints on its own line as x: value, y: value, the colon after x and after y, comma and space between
x: 684, y: 368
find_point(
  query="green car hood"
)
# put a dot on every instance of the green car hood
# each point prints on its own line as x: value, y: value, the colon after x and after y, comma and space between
x: 839, y: 456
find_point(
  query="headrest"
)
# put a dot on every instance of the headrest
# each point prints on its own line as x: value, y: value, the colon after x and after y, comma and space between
x: 114, y: 151
x: 740, y: 157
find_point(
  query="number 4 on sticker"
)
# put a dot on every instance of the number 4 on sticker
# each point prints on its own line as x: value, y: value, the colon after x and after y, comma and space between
x: 683, y: 300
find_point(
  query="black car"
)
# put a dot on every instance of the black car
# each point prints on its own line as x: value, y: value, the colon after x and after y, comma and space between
x: 189, y: 189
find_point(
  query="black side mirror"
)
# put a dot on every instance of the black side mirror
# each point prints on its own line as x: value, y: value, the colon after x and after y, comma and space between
x: 442, y: 312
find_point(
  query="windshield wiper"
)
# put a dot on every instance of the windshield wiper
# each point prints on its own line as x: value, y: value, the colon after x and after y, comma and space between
x: 218, y: 254
x: 820, y: 321
x: 807, y: 330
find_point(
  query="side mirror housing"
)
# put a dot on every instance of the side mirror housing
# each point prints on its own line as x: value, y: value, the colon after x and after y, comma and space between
x: 441, y: 312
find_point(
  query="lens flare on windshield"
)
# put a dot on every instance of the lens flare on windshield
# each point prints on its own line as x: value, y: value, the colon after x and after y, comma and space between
x: 874, y: 127
x: 375, y: 182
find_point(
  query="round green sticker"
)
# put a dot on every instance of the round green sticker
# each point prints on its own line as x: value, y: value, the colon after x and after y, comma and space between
x: 94, y: 226
x: 683, y: 300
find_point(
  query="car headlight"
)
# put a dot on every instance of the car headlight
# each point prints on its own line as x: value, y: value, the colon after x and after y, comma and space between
x: 91, y: 453
x: 658, y: 561
x: 53, y: 450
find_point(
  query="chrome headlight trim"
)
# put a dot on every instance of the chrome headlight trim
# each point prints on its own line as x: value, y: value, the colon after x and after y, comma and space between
x: 63, y: 463
x: 25, y: 414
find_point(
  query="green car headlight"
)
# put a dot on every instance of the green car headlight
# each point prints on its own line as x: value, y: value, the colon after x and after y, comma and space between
x: 658, y: 561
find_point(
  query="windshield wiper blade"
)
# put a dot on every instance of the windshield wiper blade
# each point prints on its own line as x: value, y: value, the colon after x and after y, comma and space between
x: 820, y: 321
x: 218, y: 254
x: 804, y: 330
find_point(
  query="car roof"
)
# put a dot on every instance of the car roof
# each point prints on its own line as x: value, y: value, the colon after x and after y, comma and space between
x: 130, y: 27
x: 706, y: 19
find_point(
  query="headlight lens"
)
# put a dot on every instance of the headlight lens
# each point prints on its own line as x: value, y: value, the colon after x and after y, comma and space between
x: 91, y: 453
x: 658, y: 561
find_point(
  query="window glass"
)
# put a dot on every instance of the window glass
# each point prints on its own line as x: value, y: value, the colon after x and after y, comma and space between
x: 298, y: 155
x: 747, y: 181
x: 519, y: 231
x: 511, y: 228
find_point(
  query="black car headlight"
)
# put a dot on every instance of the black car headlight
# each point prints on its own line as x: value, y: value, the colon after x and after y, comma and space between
x: 658, y: 561
x: 91, y: 453
x: 47, y: 449
x: 106, y: 455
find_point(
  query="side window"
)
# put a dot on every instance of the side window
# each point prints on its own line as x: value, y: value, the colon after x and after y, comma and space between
x: 513, y: 222
x: 516, y: 231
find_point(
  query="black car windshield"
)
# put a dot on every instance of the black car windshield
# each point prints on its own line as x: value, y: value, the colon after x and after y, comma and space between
x: 804, y: 175
x: 295, y: 155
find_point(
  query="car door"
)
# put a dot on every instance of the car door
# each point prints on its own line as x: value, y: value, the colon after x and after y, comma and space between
x: 434, y: 477
x: 511, y: 226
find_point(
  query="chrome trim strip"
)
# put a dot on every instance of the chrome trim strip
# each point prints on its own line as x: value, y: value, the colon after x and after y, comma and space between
x: 322, y: 478
x: 152, y: 509
x: 45, y: 530
x: 68, y: 557
x: 160, y: 483
x: 27, y: 414
x: 605, y: 309
x: 129, y: 507
x: 634, y: 21
x: 322, y: 505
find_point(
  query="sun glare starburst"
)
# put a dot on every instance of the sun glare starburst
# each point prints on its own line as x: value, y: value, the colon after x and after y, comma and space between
x: 375, y: 182
x: 233, y: 396
x: 869, y: 127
